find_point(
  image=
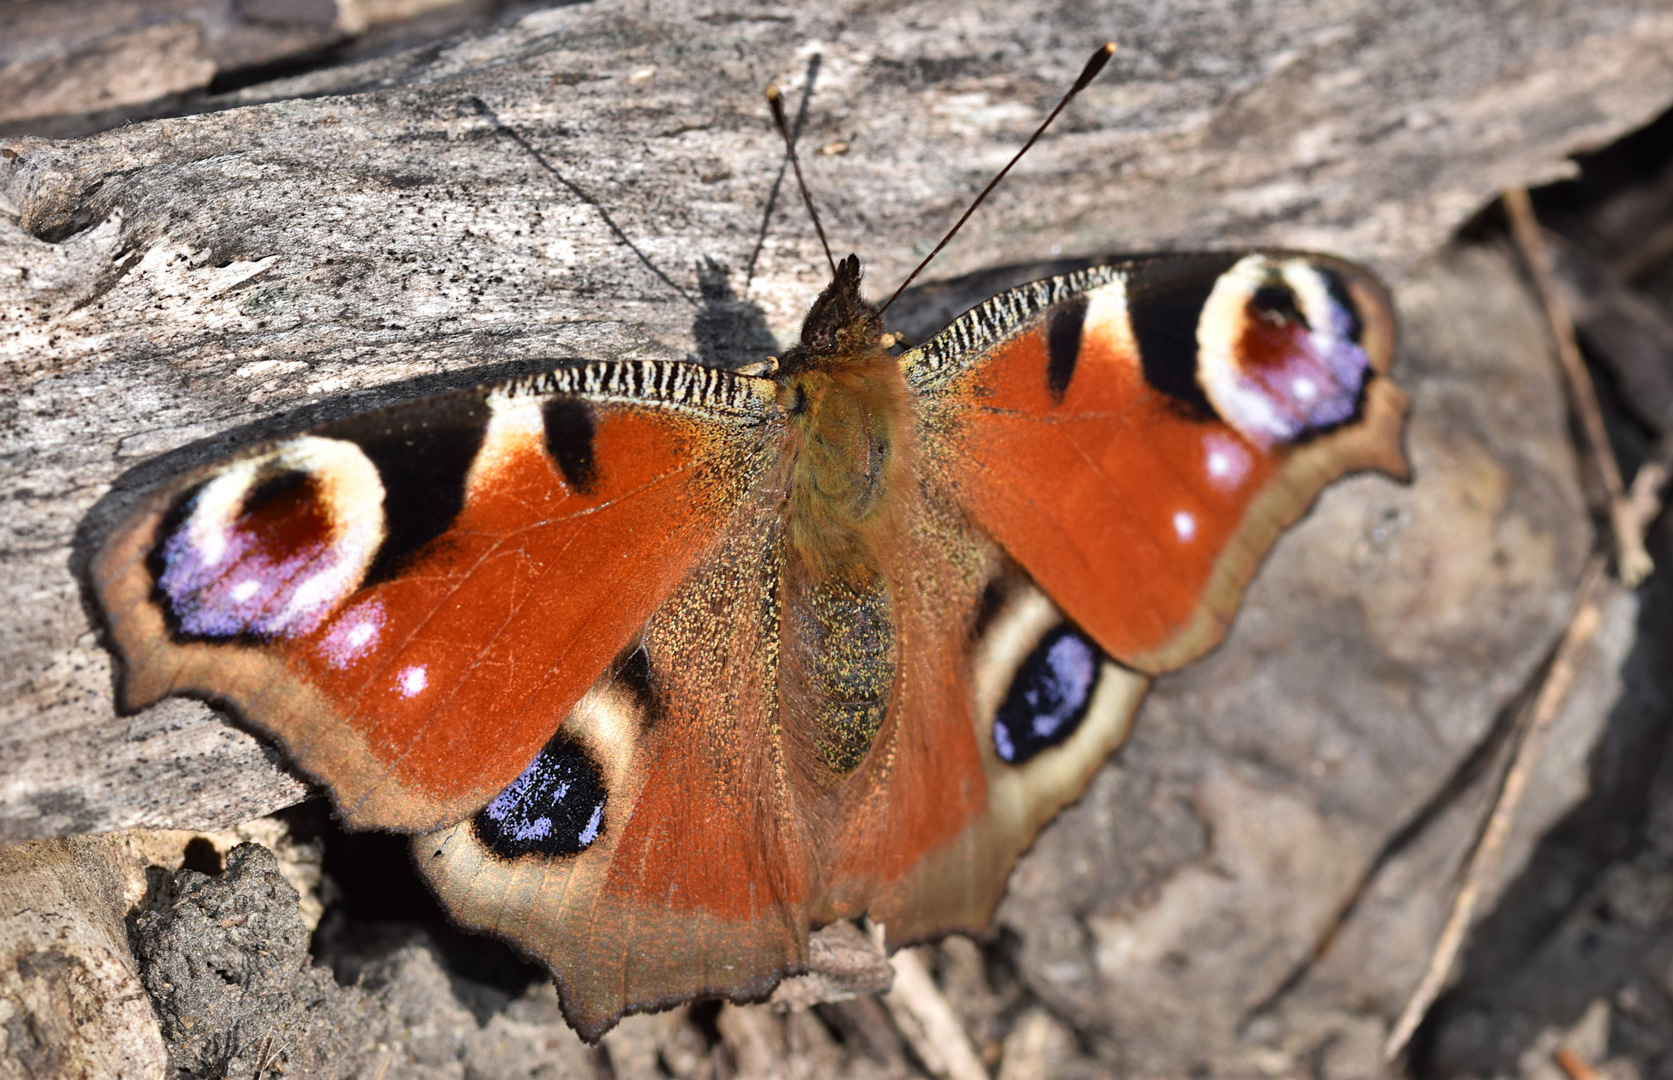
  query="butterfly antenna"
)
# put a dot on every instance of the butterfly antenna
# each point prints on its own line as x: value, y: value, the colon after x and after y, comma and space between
x: 776, y: 101
x: 1088, y: 73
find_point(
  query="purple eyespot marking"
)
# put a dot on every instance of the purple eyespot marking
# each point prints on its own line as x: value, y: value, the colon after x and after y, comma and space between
x: 1279, y: 352
x: 271, y: 546
x: 1313, y: 383
x: 556, y: 807
x: 240, y: 586
x: 1048, y: 697
x: 1302, y: 377
x: 520, y: 827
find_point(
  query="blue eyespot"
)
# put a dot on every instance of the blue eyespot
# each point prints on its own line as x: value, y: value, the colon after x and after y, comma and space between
x: 555, y: 808
x: 1048, y: 697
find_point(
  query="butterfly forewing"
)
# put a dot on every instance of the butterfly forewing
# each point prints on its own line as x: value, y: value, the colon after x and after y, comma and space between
x: 411, y: 600
x: 1136, y: 435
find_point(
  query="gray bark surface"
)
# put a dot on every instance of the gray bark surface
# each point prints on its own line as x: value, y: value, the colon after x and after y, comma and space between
x: 592, y: 182
x: 75, y: 66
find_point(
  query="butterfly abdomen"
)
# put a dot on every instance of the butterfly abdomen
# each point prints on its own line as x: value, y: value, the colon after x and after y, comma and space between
x: 845, y: 647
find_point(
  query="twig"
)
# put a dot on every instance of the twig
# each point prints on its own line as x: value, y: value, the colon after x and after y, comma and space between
x: 1525, y: 752
x: 1632, y: 562
x: 1573, y: 1065
x: 756, y: 1039
x: 262, y: 1061
x: 1644, y: 498
x: 1025, y: 1047
x: 927, y: 1021
x: 1630, y: 515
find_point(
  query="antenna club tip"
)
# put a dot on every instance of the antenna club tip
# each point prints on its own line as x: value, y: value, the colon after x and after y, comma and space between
x: 1093, y: 66
x: 772, y: 92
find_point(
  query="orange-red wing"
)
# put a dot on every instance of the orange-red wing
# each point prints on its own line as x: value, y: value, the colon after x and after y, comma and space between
x: 680, y: 838
x: 1136, y: 435
x: 411, y: 601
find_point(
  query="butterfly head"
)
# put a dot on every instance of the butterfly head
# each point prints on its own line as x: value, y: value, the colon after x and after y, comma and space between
x: 840, y: 330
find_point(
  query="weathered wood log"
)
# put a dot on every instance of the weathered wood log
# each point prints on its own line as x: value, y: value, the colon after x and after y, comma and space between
x: 592, y: 183
x: 71, y: 1003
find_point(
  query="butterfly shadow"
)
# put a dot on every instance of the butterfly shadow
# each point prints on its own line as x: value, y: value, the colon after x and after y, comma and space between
x: 730, y: 332
x: 377, y: 905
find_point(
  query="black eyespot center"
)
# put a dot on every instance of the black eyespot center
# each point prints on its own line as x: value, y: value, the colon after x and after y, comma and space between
x: 555, y: 808
x: 1275, y: 303
x: 1049, y: 695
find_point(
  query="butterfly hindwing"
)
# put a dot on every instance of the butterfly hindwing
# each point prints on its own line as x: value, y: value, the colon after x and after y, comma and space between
x: 411, y: 600
x: 728, y: 833
x: 697, y: 876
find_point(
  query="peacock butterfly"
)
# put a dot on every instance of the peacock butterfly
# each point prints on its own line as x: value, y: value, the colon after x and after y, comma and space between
x: 663, y: 665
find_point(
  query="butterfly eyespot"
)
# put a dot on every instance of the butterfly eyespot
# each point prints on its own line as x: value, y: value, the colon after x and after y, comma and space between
x: 1048, y: 697
x: 556, y: 807
x: 1279, y: 353
x: 269, y: 546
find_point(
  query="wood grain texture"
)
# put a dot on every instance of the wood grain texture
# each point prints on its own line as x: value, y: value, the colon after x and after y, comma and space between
x: 76, y: 66
x: 594, y: 181
x: 71, y: 1003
